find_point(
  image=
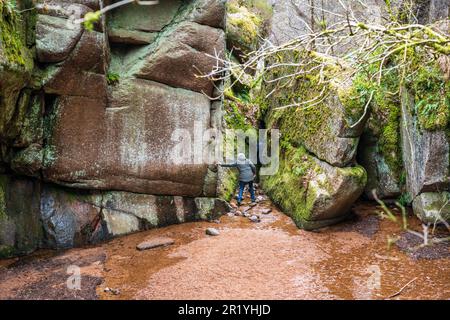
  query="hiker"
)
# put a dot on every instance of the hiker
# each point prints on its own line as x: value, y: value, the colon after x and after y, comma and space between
x: 247, y: 173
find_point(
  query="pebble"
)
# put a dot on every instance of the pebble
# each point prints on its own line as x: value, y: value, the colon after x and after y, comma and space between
x: 212, y: 232
x: 155, y: 243
x: 266, y: 211
x: 255, y: 219
x: 113, y: 291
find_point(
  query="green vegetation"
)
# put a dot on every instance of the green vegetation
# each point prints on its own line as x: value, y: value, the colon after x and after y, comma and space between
x: 247, y: 22
x: 295, y: 170
x: 90, y: 19
x: 112, y: 78
x: 228, y: 183
x: 12, y: 36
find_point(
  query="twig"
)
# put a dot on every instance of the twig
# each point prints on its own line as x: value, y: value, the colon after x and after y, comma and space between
x: 401, y: 290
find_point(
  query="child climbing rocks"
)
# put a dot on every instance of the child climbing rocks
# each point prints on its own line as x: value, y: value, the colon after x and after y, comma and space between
x: 247, y: 173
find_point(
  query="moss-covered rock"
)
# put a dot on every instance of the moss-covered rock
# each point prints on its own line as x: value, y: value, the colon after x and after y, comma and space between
x: 311, y: 191
x: 432, y: 207
x: 323, y: 115
x: 16, y: 62
x: 246, y: 25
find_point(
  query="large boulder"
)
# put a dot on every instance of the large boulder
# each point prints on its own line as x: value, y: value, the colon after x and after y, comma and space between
x: 432, y: 207
x: 135, y: 24
x: 331, y: 125
x: 180, y: 57
x: 314, y: 193
x: 70, y: 218
x: 128, y: 146
x: 126, y: 212
x: 425, y: 153
x: 83, y: 72
x: 206, y: 12
x: 55, y: 39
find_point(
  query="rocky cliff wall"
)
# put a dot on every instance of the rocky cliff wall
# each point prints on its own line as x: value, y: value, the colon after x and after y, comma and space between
x: 87, y: 118
x: 402, y: 147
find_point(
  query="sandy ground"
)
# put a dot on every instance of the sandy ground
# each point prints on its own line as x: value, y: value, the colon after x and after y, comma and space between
x: 271, y: 259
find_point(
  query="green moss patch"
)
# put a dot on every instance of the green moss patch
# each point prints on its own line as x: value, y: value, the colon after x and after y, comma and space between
x: 13, y: 40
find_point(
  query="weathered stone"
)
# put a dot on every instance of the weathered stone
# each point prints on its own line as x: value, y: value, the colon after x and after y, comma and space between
x: 211, y: 208
x: 144, y: 18
x: 244, y: 29
x: 254, y: 218
x: 432, y: 207
x: 16, y: 65
x: 142, y: 206
x: 66, y: 8
x: 73, y: 82
x: 73, y: 153
x: 20, y: 226
x: 28, y: 161
x: 70, y: 218
x: 316, y: 194
x: 29, y: 121
x: 82, y: 74
x: 425, y: 153
x: 207, y: 12
x: 55, y: 40
x: 119, y: 223
x: 210, y: 184
x: 134, y: 37
x: 182, y: 51
x: 155, y: 243
x: 380, y: 176
x: 212, y: 232
x: 128, y: 146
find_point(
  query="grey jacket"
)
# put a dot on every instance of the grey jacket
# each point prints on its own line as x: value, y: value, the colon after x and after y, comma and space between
x: 247, y: 170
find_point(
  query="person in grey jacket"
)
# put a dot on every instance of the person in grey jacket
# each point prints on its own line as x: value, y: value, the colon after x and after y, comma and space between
x: 247, y: 172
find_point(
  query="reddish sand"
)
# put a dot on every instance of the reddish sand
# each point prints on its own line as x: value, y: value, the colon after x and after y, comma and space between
x: 271, y: 259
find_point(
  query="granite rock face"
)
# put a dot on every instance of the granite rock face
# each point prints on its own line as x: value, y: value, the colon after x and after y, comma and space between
x: 93, y: 124
x: 426, y: 158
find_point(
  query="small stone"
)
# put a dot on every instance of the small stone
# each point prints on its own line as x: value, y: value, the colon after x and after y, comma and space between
x: 247, y: 215
x: 266, y: 211
x: 216, y: 221
x: 155, y: 243
x: 212, y: 232
x: 253, y: 204
x: 238, y: 213
x: 113, y: 291
x: 245, y: 209
x: 254, y: 219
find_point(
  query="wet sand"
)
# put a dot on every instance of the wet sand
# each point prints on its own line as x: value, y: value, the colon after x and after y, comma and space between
x: 271, y: 259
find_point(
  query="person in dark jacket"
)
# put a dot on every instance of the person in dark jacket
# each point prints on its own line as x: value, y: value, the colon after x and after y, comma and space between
x: 247, y: 172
